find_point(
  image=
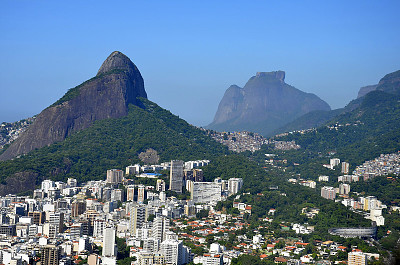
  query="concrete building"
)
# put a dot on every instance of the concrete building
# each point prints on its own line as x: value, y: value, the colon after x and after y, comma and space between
x: 50, y: 255
x: 234, y: 185
x: 50, y: 230
x: 47, y: 184
x: 141, y: 193
x: 98, y: 227
x: 57, y: 219
x: 160, y: 228
x: 150, y: 258
x: 357, y: 258
x: 204, y: 192
x: 109, y: 247
x: 344, y: 188
x: 72, y: 182
x: 37, y: 217
x: 131, y: 170
x: 334, y: 162
x: 323, y: 178
x: 160, y: 186
x: 151, y: 244
x: 78, y: 208
x: 328, y: 193
x: 130, y: 193
x: 345, y: 167
x: 114, y: 176
x: 212, y: 259
x: 138, y: 216
x: 117, y: 195
x: 173, y: 252
x: 176, y: 176
x: 93, y: 259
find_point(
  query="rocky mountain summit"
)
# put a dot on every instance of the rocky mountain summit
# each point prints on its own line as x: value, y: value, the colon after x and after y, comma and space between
x: 264, y: 104
x: 117, y: 84
x: 365, y: 90
x: 390, y: 83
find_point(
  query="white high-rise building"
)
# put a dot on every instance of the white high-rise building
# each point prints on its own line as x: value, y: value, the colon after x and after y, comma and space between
x: 176, y: 176
x: 132, y: 170
x: 47, y: 184
x: 98, y: 227
x: 114, y: 176
x: 160, y: 186
x: 345, y: 167
x: 72, y: 182
x: 151, y: 244
x: 173, y: 252
x: 334, y: 162
x: 57, y: 219
x: 204, y: 192
x: 109, y: 242
x: 138, y: 216
x: 130, y: 193
x: 141, y: 193
x: 84, y: 244
x: 160, y: 228
x: 234, y: 185
x: 344, y: 188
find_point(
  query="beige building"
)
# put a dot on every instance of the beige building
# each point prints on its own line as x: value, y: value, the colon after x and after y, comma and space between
x: 148, y: 258
x: 357, y: 258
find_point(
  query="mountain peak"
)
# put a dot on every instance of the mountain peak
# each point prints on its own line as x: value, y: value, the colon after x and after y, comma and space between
x: 264, y: 104
x: 108, y: 95
x: 280, y: 75
x: 117, y: 61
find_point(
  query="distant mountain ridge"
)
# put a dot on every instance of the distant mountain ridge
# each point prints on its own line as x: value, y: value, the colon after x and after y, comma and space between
x: 389, y: 84
x: 263, y: 105
x: 117, y: 84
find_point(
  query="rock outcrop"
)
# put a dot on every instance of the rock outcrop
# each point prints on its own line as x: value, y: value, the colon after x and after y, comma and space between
x: 390, y: 83
x: 263, y: 105
x: 117, y: 84
x: 365, y: 90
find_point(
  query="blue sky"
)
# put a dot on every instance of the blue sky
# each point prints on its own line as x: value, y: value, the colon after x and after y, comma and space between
x: 190, y: 52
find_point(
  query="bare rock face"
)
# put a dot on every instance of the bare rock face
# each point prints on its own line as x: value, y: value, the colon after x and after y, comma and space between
x: 263, y: 105
x: 117, y: 84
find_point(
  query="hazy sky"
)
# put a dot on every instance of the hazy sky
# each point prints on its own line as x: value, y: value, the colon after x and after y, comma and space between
x: 190, y: 52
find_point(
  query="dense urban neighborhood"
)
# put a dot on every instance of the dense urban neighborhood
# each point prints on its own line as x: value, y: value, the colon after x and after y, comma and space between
x: 169, y: 214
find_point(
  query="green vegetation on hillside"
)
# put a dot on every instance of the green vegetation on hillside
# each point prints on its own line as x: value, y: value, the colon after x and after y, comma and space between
x: 116, y: 143
x: 362, y: 134
x: 288, y: 199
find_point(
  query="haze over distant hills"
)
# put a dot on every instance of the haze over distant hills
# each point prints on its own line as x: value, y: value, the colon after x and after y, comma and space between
x: 264, y: 104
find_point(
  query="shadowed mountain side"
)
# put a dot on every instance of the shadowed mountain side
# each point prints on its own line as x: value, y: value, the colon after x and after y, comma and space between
x: 264, y: 104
